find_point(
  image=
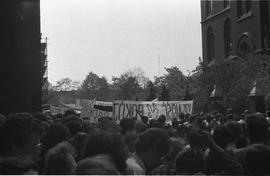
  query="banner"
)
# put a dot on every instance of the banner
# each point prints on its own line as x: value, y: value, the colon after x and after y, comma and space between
x: 151, y: 109
x: 93, y: 109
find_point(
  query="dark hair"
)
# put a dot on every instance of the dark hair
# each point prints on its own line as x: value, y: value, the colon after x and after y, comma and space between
x: 194, y: 138
x: 17, y: 129
x: 100, y: 141
x: 222, y: 136
x: 16, y: 166
x: 58, y: 160
x: 257, y: 128
x: 154, y: 138
x: 57, y: 133
x: 126, y: 125
x: 69, y: 112
x: 74, y: 124
x: 97, y: 165
x: 235, y: 130
x: 189, y: 161
x: 155, y: 124
x: 257, y: 160
x: 144, y: 119
x: 162, y: 118
x: 39, y: 116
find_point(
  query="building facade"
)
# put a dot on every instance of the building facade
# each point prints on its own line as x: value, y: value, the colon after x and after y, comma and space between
x: 20, y: 58
x: 231, y: 28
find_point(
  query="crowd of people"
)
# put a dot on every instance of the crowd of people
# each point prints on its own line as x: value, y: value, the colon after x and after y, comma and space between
x: 198, y: 144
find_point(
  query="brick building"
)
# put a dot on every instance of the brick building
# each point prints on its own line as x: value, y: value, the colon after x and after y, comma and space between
x: 20, y: 56
x: 230, y: 28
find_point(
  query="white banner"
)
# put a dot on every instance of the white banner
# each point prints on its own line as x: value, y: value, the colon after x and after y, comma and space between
x: 151, y: 109
x: 92, y: 113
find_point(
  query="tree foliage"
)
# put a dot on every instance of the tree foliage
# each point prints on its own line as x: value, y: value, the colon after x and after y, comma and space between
x: 235, y: 77
x: 66, y: 84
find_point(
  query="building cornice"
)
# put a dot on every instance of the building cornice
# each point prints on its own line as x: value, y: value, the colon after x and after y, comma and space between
x: 216, y: 14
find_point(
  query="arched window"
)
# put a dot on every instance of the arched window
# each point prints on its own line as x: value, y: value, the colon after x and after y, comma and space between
x: 227, y: 38
x: 210, y: 44
x: 245, y: 45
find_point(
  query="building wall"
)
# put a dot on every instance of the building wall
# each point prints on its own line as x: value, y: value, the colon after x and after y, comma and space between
x: 20, y: 64
x: 248, y: 24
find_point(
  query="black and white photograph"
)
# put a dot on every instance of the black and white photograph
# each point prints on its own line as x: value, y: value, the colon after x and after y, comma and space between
x: 135, y: 87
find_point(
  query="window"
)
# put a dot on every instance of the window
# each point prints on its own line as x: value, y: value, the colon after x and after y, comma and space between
x: 243, y: 6
x: 227, y: 38
x: 240, y: 10
x: 226, y: 3
x: 209, y: 7
x: 210, y: 44
x: 245, y: 45
x: 248, y: 5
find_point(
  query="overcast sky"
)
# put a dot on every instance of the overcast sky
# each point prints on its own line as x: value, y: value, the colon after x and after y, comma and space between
x: 108, y: 37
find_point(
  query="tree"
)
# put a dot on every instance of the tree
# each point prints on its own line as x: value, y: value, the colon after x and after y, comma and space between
x: 94, y: 86
x: 64, y: 84
x: 151, y: 89
x: 139, y: 75
x: 128, y: 86
x: 164, y: 96
x: 235, y: 78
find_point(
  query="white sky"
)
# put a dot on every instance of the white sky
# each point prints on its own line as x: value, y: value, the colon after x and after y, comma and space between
x: 109, y: 37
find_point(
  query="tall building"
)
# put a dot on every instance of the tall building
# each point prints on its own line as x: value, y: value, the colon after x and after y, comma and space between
x: 44, y: 69
x: 20, y: 58
x: 232, y: 28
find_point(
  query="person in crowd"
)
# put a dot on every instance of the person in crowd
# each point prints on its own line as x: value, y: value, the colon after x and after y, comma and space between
x: 20, y: 136
x: 101, y: 164
x: 168, y: 165
x: 18, y: 166
x: 57, y: 133
x: 128, y: 132
x: 60, y: 160
x: 225, y: 136
x: 189, y: 162
x: 78, y: 142
x: 255, y: 158
x: 100, y: 141
x: 151, y: 147
x: 229, y: 165
x: 162, y: 119
x: 69, y: 112
x: 73, y: 123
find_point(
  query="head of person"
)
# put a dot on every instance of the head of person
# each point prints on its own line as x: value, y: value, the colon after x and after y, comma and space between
x: 97, y: 165
x: 236, y: 131
x: 222, y: 136
x: 60, y: 160
x: 145, y: 119
x: 152, y: 145
x: 69, y: 112
x: 40, y: 116
x: 155, y: 124
x: 194, y: 138
x: 189, y: 162
x: 20, y: 135
x: 162, y: 119
x: 73, y: 123
x: 18, y: 166
x: 56, y: 133
x: 257, y: 129
x: 100, y: 141
x: 127, y: 126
